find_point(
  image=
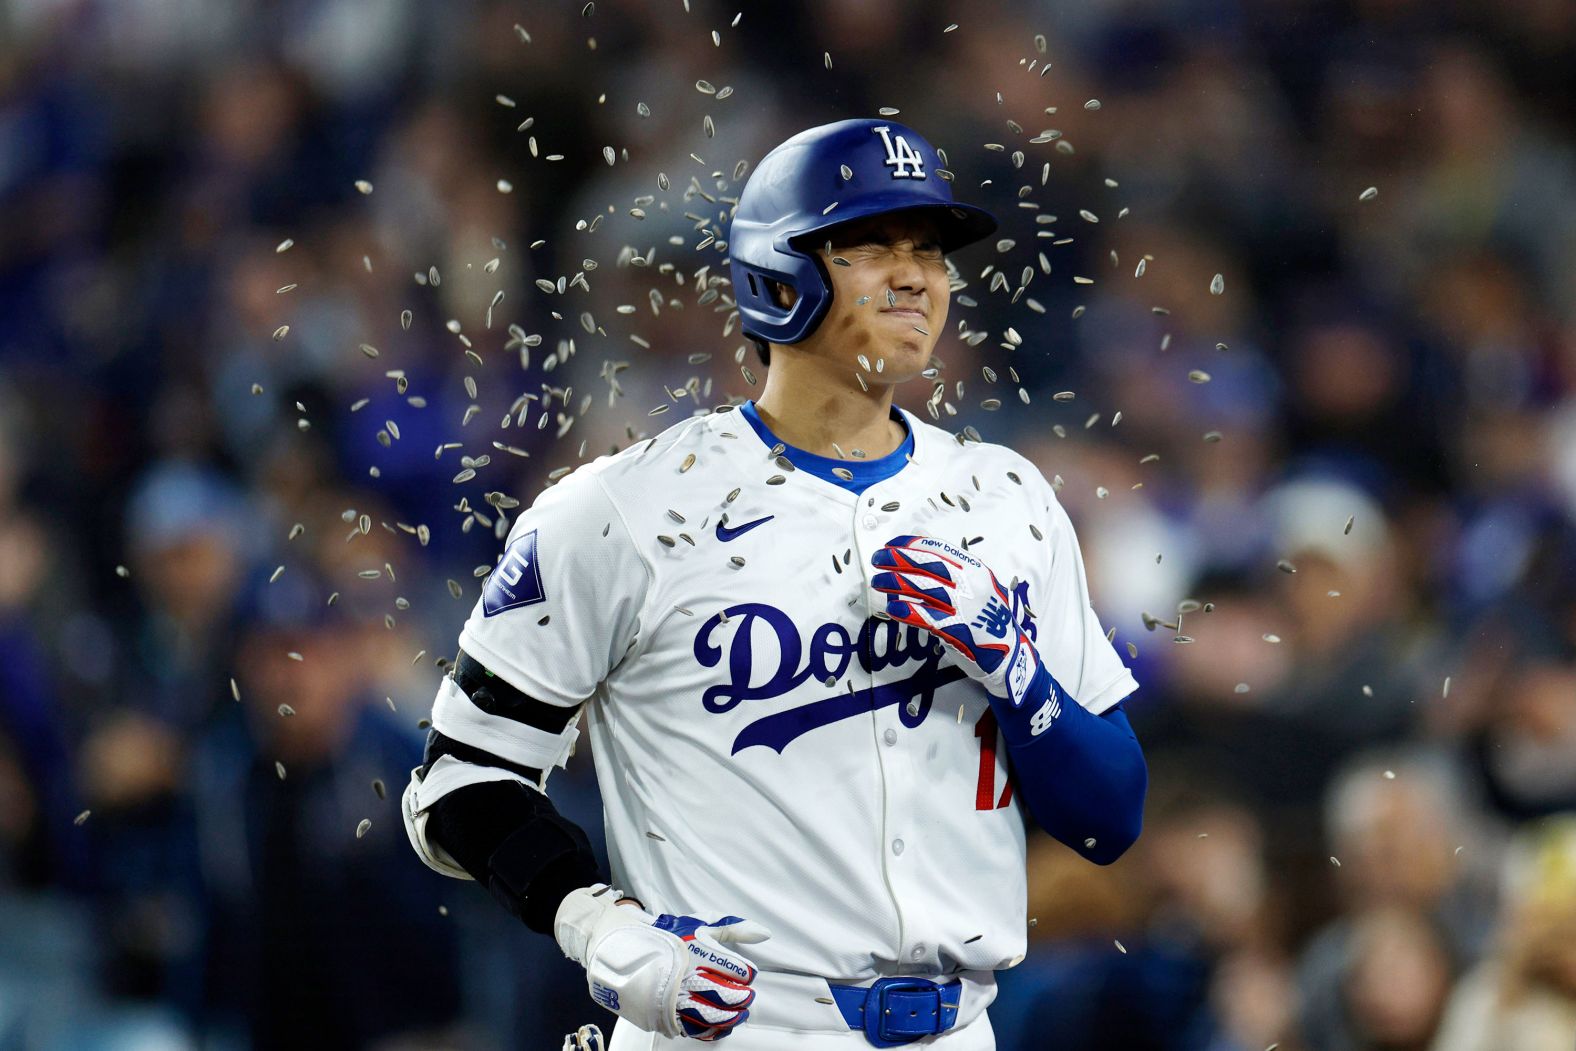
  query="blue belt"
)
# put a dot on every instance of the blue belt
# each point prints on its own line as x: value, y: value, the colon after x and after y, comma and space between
x: 896, y: 1011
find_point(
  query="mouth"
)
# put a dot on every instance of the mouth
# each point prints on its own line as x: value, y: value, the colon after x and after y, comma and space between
x: 909, y: 312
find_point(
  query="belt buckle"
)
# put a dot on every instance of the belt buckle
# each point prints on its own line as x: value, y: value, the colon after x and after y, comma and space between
x: 876, y: 1031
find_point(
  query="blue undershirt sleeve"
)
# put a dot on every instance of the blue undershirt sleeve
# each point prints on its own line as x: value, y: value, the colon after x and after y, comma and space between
x: 1083, y: 778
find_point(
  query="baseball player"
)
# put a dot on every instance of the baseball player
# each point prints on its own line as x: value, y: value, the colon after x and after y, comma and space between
x: 828, y: 656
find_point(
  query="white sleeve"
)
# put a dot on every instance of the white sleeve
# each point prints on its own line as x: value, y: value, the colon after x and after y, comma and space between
x: 1071, y: 641
x: 562, y: 606
x: 556, y: 615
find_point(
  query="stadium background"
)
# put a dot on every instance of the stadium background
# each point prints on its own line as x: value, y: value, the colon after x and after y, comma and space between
x: 1354, y: 840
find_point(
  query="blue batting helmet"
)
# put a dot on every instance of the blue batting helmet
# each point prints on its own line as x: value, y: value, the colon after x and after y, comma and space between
x: 820, y: 178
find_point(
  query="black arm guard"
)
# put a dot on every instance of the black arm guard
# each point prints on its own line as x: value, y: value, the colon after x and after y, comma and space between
x: 513, y: 842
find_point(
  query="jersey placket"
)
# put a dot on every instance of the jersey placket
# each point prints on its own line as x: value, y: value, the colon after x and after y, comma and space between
x: 903, y: 845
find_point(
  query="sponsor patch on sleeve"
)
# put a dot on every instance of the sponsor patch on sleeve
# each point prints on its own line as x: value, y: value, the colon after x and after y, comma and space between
x: 518, y: 579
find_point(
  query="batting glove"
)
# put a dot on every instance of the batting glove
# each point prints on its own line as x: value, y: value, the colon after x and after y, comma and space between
x: 671, y: 975
x: 932, y: 585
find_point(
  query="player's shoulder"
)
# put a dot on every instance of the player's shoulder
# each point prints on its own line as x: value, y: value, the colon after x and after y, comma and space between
x: 634, y: 475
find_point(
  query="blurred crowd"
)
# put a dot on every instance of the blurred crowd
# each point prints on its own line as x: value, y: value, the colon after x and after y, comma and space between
x: 297, y: 298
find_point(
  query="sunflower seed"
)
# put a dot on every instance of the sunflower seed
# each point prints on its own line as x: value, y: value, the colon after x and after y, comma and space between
x: 1217, y: 284
x: 1369, y: 194
x: 363, y: 826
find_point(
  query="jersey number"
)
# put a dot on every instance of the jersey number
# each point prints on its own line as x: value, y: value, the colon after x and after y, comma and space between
x: 985, y: 789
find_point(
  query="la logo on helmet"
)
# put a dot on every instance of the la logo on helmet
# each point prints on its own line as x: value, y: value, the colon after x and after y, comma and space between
x: 906, y: 164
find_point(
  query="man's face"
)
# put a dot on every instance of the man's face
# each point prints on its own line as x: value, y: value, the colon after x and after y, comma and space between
x: 889, y: 302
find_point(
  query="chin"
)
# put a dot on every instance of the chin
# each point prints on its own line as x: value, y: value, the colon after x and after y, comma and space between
x: 904, y: 361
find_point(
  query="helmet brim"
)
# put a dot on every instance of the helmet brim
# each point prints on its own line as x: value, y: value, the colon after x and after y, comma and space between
x: 958, y: 225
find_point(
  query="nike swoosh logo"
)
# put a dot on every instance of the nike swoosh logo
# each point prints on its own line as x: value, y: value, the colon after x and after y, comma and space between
x: 726, y: 533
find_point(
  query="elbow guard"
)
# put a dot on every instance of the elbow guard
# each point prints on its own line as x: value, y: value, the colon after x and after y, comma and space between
x: 511, y: 839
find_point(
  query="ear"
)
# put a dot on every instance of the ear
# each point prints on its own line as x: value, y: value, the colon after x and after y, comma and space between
x: 785, y: 296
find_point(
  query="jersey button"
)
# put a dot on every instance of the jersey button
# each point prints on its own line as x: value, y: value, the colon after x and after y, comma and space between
x: 917, y: 952
x: 890, y: 737
x: 871, y: 521
x: 897, y: 846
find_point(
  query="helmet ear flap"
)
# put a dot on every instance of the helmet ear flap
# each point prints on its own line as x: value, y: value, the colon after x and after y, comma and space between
x: 766, y: 317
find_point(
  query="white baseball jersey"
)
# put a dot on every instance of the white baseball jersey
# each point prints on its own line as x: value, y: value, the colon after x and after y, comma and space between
x: 765, y: 746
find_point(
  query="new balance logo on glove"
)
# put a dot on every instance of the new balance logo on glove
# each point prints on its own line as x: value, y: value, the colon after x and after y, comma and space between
x: 994, y: 618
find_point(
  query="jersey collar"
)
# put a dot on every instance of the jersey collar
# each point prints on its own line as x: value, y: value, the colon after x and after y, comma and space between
x: 866, y: 473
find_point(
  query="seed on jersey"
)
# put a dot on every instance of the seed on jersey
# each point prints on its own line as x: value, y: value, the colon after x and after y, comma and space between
x: 844, y: 473
x: 776, y: 479
x: 666, y: 541
x: 732, y: 496
x: 836, y: 565
x: 737, y: 561
x: 785, y: 463
x: 890, y: 506
x: 974, y: 939
x: 675, y: 516
x: 913, y: 708
x: 655, y: 836
x: 1034, y: 529
x: 543, y: 622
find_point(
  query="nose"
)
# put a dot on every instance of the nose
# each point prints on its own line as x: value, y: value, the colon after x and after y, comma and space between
x: 908, y: 272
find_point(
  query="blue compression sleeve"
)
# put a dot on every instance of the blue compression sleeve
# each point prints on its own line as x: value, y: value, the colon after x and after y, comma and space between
x: 1084, y: 777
